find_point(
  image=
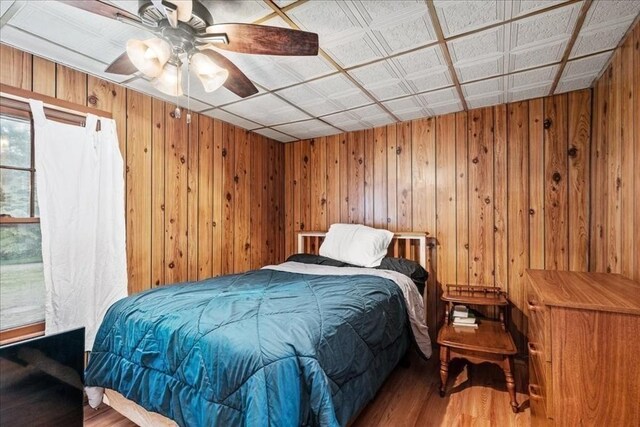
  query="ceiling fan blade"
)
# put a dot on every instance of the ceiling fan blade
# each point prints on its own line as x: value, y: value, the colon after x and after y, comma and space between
x: 237, y: 82
x: 122, y: 65
x: 264, y: 40
x: 102, y: 8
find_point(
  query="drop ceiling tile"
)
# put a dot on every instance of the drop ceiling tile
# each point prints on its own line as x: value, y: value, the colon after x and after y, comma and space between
x: 484, y: 44
x: 608, y: 12
x: 567, y: 85
x: 355, y: 49
x: 523, y: 7
x: 274, y: 134
x: 442, y: 96
x: 408, y: 108
x: 598, y: 39
x: 283, y: 3
x: 308, y: 129
x: 5, y: 5
x: 218, y: 97
x: 305, y: 67
x: 529, y: 92
x: 430, y: 82
x: 331, y: 20
x: 266, y: 109
x: 480, y: 69
x: 310, y: 100
x: 340, y: 90
x: 413, y: 30
x: 382, y: 80
x: 446, y: 108
x: 144, y: 86
x: 225, y: 116
x: 586, y: 66
x: 557, y: 24
x: 420, y: 62
x: 96, y: 37
x: 245, y: 11
x: 530, y: 78
x: 535, y: 56
x: 372, y: 115
x: 461, y: 16
x: 263, y: 69
x: 486, y: 101
x: 483, y: 88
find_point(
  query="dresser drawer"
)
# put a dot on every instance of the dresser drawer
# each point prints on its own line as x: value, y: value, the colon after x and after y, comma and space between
x: 539, y: 328
x: 537, y: 400
x: 540, y: 378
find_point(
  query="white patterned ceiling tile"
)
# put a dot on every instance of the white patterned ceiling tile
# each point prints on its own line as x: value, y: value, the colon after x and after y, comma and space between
x: 483, y: 87
x: 5, y: 5
x: 340, y: 89
x: 442, y: 96
x: 420, y: 62
x: 263, y: 69
x: 45, y: 49
x: 529, y: 92
x: 486, y: 101
x: 373, y: 115
x: 225, y: 116
x: 343, y: 120
x: 523, y: 7
x: 309, y: 100
x: 484, y: 44
x: 430, y: 82
x: 598, y: 39
x: 305, y: 67
x: 530, y: 78
x: 216, y: 98
x: 266, y: 109
x: 557, y: 24
x: 353, y: 50
x: 142, y: 85
x: 567, y: 85
x: 458, y: 17
x: 586, y: 66
x: 480, y: 69
x: 603, y: 13
x: 536, y: 56
x: 97, y: 37
x: 245, y: 11
x: 413, y: 31
x: 445, y: 108
x: 307, y: 129
x: 283, y: 3
x: 381, y: 80
x: 274, y: 134
x: 408, y: 108
x: 331, y: 20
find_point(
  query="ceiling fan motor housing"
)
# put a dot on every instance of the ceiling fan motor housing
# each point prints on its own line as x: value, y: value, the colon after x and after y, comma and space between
x: 200, y: 19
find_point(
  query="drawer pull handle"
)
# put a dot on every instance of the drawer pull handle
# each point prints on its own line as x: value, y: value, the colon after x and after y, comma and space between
x: 533, y: 349
x: 533, y: 305
x: 534, y: 392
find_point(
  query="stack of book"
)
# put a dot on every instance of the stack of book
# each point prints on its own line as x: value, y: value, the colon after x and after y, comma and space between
x: 462, y: 317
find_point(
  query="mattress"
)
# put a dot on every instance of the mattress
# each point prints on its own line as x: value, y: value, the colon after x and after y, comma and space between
x: 263, y: 348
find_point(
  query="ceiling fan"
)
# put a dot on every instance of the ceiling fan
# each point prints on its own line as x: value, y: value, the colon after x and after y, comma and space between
x: 184, y: 30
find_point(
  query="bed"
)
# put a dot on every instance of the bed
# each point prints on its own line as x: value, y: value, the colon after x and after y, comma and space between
x: 292, y: 344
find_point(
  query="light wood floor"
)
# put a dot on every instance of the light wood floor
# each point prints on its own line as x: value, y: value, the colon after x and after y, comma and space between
x: 476, y: 396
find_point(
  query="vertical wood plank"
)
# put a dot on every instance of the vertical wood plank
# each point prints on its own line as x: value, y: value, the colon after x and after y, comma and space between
x: 613, y: 214
x: 297, y: 191
x: 15, y: 68
x: 110, y: 97
x: 242, y: 232
x: 380, y: 177
x: 462, y: 200
x: 392, y: 177
x: 305, y: 185
x: 204, y: 237
x: 228, y: 190
x: 355, y: 141
x: 176, y: 181
x: 481, y: 196
x: 192, y: 198
x: 218, y: 198
x: 289, y: 190
x: 595, y: 210
x: 423, y: 171
x: 44, y: 77
x: 318, y: 172
x: 500, y: 189
x: 157, y: 211
x: 71, y: 85
x: 332, y: 179
x: 368, y: 176
x: 138, y: 184
x: 344, y: 179
x: 636, y: 165
x: 578, y: 156
x: 536, y: 184
x: 627, y: 255
x: 405, y: 197
x: 259, y: 185
x: 518, y: 215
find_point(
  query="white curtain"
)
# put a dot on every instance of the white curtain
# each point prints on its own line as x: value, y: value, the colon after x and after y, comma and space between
x: 79, y: 177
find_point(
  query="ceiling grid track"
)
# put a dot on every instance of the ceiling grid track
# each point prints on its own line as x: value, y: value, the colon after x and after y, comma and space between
x: 574, y: 36
x: 445, y: 50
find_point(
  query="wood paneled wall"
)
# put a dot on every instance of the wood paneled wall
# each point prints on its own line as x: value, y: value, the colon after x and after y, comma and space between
x: 615, y: 160
x: 203, y: 199
x: 499, y: 190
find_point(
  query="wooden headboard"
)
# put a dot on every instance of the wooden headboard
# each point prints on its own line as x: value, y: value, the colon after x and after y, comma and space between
x: 411, y: 246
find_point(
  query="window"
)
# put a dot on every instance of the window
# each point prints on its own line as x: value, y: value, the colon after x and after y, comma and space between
x: 22, y: 292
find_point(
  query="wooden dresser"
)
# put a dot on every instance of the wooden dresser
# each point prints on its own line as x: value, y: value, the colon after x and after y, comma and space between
x: 584, y: 349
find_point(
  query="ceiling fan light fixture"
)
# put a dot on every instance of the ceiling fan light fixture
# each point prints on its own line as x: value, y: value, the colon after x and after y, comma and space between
x: 149, y: 56
x: 170, y: 80
x: 210, y: 74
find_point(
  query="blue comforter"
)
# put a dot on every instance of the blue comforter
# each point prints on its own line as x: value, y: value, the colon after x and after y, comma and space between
x: 263, y: 348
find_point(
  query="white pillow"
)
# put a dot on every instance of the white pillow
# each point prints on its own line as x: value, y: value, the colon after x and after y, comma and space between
x: 356, y: 244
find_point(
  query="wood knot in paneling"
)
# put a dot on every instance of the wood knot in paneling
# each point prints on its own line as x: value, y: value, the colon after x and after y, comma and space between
x: 573, y: 152
x: 228, y: 197
x: 171, y: 265
x: 398, y: 150
x: 487, y: 200
x: 475, y: 160
x: 224, y: 152
x: 556, y: 177
x: 93, y: 100
x: 547, y: 123
x: 532, y: 211
x: 236, y: 179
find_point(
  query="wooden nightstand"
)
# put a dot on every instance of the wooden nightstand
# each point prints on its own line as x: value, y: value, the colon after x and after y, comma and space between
x: 490, y: 342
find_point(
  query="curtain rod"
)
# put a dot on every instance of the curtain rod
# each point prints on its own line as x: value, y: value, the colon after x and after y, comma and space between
x: 23, y: 95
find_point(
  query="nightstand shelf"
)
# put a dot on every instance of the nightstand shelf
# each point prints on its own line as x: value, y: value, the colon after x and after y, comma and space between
x: 489, y: 342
